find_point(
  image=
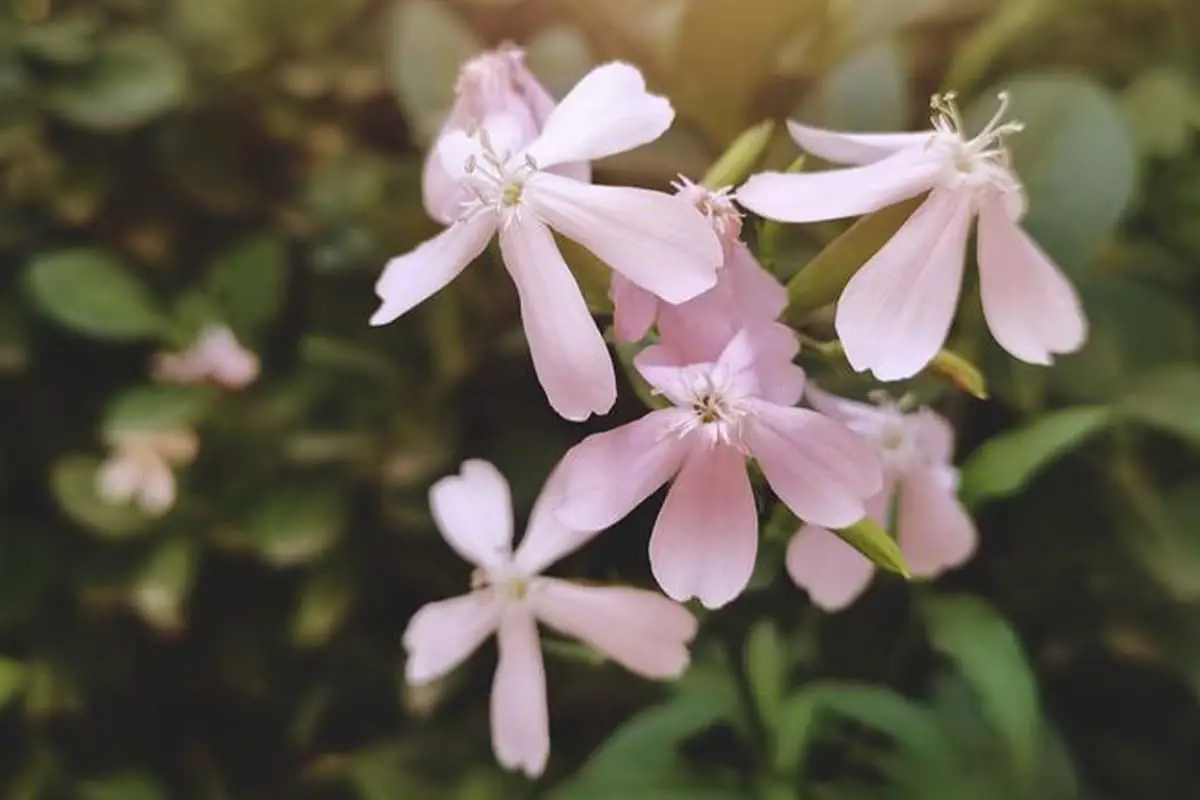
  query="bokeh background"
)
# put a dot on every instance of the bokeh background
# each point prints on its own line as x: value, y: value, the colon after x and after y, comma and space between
x: 168, y: 162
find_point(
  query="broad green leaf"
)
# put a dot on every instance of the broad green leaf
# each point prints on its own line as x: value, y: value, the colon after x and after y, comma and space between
x: 1159, y: 109
x: 990, y: 656
x: 74, y: 482
x: 93, y: 294
x: 164, y: 582
x: 740, y: 158
x: 121, y: 786
x: 641, y: 758
x: 868, y: 90
x: 295, y: 525
x: 1076, y: 157
x: 156, y: 408
x: 248, y: 283
x: 324, y: 603
x: 429, y: 42
x: 766, y: 664
x: 63, y: 39
x: 793, y: 729
x: 913, y: 727
x: 870, y: 539
x: 821, y: 281
x: 1168, y: 399
x: 12, y: 680
x: 1006, y: 463
x: 135, y: 77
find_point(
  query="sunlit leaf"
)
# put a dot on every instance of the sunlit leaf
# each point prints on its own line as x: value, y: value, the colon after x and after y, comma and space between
x: 869, y: 538
x: 74, y: 482
x: 12, y: 680
x: 164, y: 582
x: 121, y: 786
x: 295, y: 525
x: 741, y: 157
x: 324, y: 602
x: 93, y: 294
x: 156, y: 408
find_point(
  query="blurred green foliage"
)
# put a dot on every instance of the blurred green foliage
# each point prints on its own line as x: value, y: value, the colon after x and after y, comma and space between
x: 167, y: 163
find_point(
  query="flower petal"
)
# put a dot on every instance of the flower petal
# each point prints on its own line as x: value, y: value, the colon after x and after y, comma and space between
x: 935, y: 436
x: 609, y: 111
x: 156, y: 494
x: 933, y: 529
x: 473, y: 511
x: 832, y: 572
x: 839, y: 193
x: 441, y: 635
x: 642, y: 631
x: 546, y: 538
x: 608, y: 474
x: 895, y: 313
x: 520, y: 717
x: 706, y: 537
x: 634, y: 309
x: 663, y: 245
x: 441, y: 193
x: 1030, y: 307
x: 569, y: 355
x: 841, y: 147
x: 411, y: 278
x: 823, y: 471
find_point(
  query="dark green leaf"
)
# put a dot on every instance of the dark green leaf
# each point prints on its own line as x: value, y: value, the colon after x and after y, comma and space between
x: 156, y: 408
x: 164, y: 582
x: 766, y: 669
x: 12, y: 680
x: 74, y: 483
x: 90, y: 292
x: 248, y: 283
x: 296, y: 525
x: 913, y: 727
x: 122, y: 786
x: 1168, y: 399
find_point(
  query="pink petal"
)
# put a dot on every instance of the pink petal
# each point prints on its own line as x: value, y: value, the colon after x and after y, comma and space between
x: 935, y: 436
x: 634, y: 309
x: 441, y: 193
x: 441, y: 635
x: 895, y: 313
x: 609, y: 111
x: 664, y: 246
x: 546, y: 538
x: 818, y: 467
x: 841, y: 409
x: 816, y: 196
x: 832, y: 572
x: 473, y: 511
x: 520, y: 717
x: 933, y: 529
x: 706, y: 537
x: 642, y: 631
x: 411, y: 278
x: 840, y: 147
x: 608, y: 474
x: 569, y: 355
x: 1031, y: 308
x: 780, y: 380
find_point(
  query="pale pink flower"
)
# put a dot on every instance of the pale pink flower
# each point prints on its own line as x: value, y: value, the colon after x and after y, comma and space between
x: 659, y: 243
x: 139, y: 469
x: 933, y: 529
x: 642, y: 631
x: 745, y: 295
x: 216, y: 356
x: 705, y: 540
x: 497, y: 87
x: 895, y: 313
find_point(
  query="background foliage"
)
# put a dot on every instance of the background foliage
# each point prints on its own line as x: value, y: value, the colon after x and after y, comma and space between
x: 166, y: 162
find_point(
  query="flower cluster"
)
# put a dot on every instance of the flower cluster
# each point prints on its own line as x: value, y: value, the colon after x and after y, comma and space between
x: 511, y: 163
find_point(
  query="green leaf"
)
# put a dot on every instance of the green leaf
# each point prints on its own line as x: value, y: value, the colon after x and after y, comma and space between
x: 912, y: 726
x: 868, y: 90
x: 869, y: 538
x: 74, y: 482
x: 12, y: 680
x: 766, y: 669
x: 592, y: 274
x: 63, y: 39
x: 135, y: 77
x: 90, y: 292
x: 156, y: 408
x: 164, y: 582
x: 121, y: 786
x: 1159, y: 108
x: 991, y: 658
x: 1005, y: 464
x: 740, y: 158
x: 296, y: 525
x: 429, y: 43
x: 324, y: 603
x: 1168, y: 399
x: 248, y: 283
x: 641, y: 758
x: 793, y: 729
x: 1076, y: 158
x: 821, y: 281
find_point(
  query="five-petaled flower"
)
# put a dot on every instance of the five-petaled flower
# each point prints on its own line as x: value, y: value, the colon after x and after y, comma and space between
x: 895, y: 313
x: 641, y: 630
x: 919, y: 495
x: 216, y: 356
x: 705, y: 540
x: 664, y: 246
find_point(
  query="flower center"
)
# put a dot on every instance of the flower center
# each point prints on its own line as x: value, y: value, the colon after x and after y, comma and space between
x: 511, y: 587
x: 715, y: 204
x: 715, y: 412
x: 982, y: 160
x: 892, y: 431
x: 496, y: 183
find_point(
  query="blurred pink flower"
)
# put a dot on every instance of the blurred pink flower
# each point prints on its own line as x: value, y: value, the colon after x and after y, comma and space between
x: 139, y: 469
x: 895, y: 313
x: 643, y: 631
x: 706, y: 537
x: 497, y: 87
x: 746, y: 295
x: 664, y: 246
x: 934, y: 531
x: 216, y: 356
